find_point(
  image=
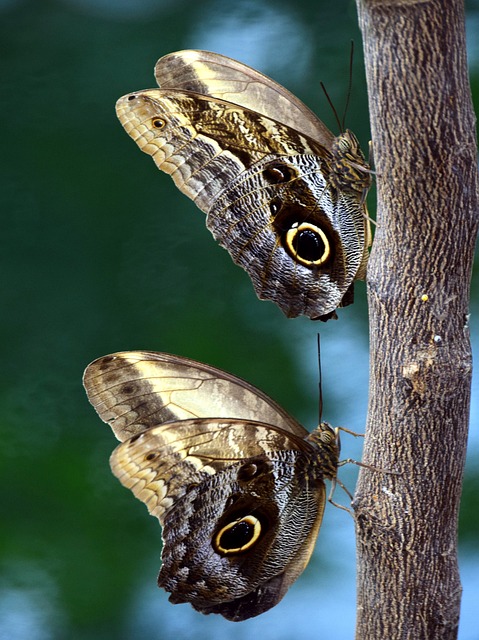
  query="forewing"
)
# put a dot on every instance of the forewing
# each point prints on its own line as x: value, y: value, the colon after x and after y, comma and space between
x: 136, y: 390
x: 215, y: 75
x: 204, y: 143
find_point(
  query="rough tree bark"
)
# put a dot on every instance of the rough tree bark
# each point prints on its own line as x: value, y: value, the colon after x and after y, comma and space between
x: 423, y: 132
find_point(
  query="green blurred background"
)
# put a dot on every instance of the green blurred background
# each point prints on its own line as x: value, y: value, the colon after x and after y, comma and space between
x: 99, y: 253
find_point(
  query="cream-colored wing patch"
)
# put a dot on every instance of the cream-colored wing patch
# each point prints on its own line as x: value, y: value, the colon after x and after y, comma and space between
x: 136, y: 390
x: 217, y: 76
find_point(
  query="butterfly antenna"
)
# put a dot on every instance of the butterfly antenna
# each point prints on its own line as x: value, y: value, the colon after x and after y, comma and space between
x: 350, y: 85
x: 320, y: 381
x: 333, y: 108
x: 341, y: 122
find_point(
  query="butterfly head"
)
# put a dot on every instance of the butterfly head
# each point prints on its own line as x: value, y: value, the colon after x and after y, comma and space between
x: 350, y: 171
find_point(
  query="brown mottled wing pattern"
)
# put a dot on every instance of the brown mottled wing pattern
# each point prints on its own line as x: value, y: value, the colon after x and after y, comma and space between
x: 220, y: 128
x: 160, y: 464
x: 195, y: 477
x: 237, y: 221
x: 226, y: 175
x: 196, y: 452
x: 289, y: 502
x: 199, y: 139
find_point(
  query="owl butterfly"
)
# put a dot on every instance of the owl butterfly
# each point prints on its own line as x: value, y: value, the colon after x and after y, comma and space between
x: 236, y: 483
x: 280, y: 192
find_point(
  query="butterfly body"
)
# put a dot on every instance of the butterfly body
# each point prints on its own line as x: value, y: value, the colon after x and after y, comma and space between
x: 281, y: 193
x: 240, y: 500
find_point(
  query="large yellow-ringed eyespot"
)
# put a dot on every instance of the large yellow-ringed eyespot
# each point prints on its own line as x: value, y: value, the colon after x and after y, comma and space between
x: 308, y: 244
x: 237, y: 536
x: 158, y: 123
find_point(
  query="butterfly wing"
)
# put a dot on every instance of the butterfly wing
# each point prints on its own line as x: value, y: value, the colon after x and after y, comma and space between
x: 240, y: 501
x: 136, y: 390
x: 264, y: 188
x: 204, y: 142
x: 212, y: 74
x: 160, y: 464
x: 240, y: 504
x: 281, y: 194
x: 301, y: 241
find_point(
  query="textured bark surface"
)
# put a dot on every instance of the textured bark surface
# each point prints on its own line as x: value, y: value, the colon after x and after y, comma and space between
x: 423, y: 132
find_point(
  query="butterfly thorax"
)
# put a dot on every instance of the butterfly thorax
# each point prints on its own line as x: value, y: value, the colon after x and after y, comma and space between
x: 350, y: 171
x: 326, y: 441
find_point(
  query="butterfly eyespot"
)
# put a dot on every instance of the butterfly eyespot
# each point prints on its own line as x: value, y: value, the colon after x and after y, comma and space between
x: 128, y: 389
x: 253, y: 469
x: 248, y: 471
x: 278, y: 173
x: 275, y: 206
x: 191, y: 486
x: 151, y: 456
x: 159, y: 123
x: 237, y: 536
x: 308, y: 244
x: 106, y: 361
x: 132, y: 97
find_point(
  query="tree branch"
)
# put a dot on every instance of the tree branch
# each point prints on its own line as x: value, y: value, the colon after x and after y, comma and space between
x: 423, y: 132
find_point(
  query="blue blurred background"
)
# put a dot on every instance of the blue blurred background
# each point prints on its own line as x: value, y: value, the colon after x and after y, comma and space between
x: 99, y: 253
